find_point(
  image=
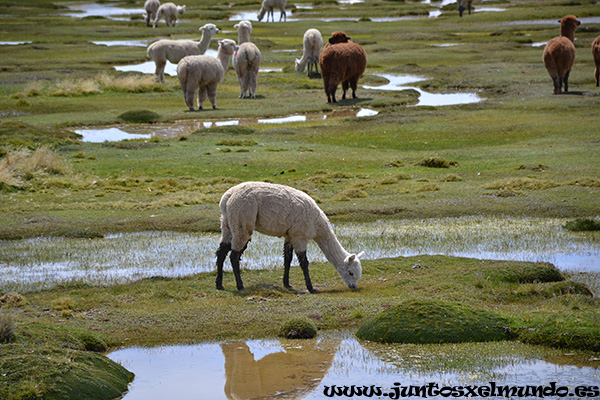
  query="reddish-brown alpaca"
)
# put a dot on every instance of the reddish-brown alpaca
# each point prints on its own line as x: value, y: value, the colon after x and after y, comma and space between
x: 559, y: 54
x: 596, y: 53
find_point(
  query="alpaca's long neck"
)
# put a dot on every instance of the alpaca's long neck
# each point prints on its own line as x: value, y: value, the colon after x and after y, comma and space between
x: 204, y: 42
x: 224, y: 58
x: 243, y: 36
x: 330, y: 245
x: 302, y: 62
x: 568, y: 32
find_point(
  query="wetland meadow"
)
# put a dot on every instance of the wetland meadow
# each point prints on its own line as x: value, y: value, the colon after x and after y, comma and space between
x: 457, y: 171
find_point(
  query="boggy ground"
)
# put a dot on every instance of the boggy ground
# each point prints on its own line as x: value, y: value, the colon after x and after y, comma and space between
x: 520, y: 152
x: 535, y: 302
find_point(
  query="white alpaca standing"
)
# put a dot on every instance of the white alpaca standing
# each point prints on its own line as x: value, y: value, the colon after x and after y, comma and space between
x: 204, y: 73
x: 170, y: 11
x: 312, y: 44
x: 278, y: 210
x: 151, y: 7
x: 174, y: 50
x: 246, y: 61
x: 268, y: 6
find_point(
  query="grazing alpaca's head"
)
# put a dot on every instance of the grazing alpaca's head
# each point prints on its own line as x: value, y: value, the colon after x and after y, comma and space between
x: 351, y: 270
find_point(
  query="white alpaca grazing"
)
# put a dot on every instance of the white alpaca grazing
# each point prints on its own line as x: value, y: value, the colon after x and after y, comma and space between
x: 246, y: 61
x: 312, y: 44
x: 174, y: 50
x: 268, y: 6
x: 278, y: 210
x: 204, y: 73
x: 151, y: 7
x: 170, y: 12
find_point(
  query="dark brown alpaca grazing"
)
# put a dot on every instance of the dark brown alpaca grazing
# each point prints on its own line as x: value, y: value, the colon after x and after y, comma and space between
x: 559, y: 53
x: 341, y: 61
x: 596, y: 54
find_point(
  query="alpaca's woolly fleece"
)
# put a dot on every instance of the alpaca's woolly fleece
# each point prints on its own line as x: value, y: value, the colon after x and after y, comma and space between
x: 246, y: 61
x: 204, y: 73
x: 463, y: 5
x: 268, y: 6
x: 311, y: 43
x: 596, y: 54
x: 559, y: 54
x: 344, y: 62
x: 170, y: 11
x: 282, y: 211
x: 151, y: 7
x: 174, y: 50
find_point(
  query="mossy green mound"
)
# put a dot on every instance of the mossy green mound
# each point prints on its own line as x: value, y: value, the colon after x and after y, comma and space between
x: 567, y: 287
x: 298, y: 328
x: 140, y: 116
x: 583, y: 225
x: 50, y: 372
x: 434, y: 321
x: 524, y: 272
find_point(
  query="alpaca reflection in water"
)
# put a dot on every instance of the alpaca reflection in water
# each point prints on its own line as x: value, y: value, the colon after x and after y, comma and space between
x: 293, y: 373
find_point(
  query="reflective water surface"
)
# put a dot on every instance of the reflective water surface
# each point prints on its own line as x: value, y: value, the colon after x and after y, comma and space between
x: 306, y: 369
x: 45, y: 262
x: 82, y: 10
x: 186, y: 127
x: 400, y: 82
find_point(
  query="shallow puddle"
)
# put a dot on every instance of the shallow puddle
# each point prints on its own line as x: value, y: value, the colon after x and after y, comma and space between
x: 33, y: 264
x: 309, y: 369
x: 186, y: 127
x: 15, y: 43
x: 400, y: 82
x: 82, y: 10
x: 137, y: 43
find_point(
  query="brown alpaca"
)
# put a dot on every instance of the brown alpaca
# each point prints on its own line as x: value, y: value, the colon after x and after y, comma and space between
x: 559, y: 53
x: 341, y: 61
x: 596, y: 54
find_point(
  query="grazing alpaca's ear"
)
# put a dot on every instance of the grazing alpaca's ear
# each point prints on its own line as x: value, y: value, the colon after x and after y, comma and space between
x: 359, y: 255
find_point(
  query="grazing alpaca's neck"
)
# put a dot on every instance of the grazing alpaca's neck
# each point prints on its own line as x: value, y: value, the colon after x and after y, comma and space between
x: 330, y: 245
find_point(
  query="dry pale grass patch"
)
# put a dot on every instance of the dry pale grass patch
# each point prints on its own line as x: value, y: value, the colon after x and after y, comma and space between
x: 32, y: 89
x: 19, y: 165
x: 69, y: 88
x: 129, y: 83
x: 87, y: 86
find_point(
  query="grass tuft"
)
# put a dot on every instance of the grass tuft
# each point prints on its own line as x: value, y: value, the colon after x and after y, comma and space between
x: 7, y: 328
x: 139, y: 116
x: 298, y: 328
x: 583, y: 225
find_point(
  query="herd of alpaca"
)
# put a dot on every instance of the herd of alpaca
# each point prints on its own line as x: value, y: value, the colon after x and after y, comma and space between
x: 279, y: 210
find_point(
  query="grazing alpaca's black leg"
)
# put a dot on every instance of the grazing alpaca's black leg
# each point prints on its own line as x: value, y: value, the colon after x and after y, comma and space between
x: 222, y: 252
x: 235, y: 265
x: 304, y: 265
x: 288, y: 253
